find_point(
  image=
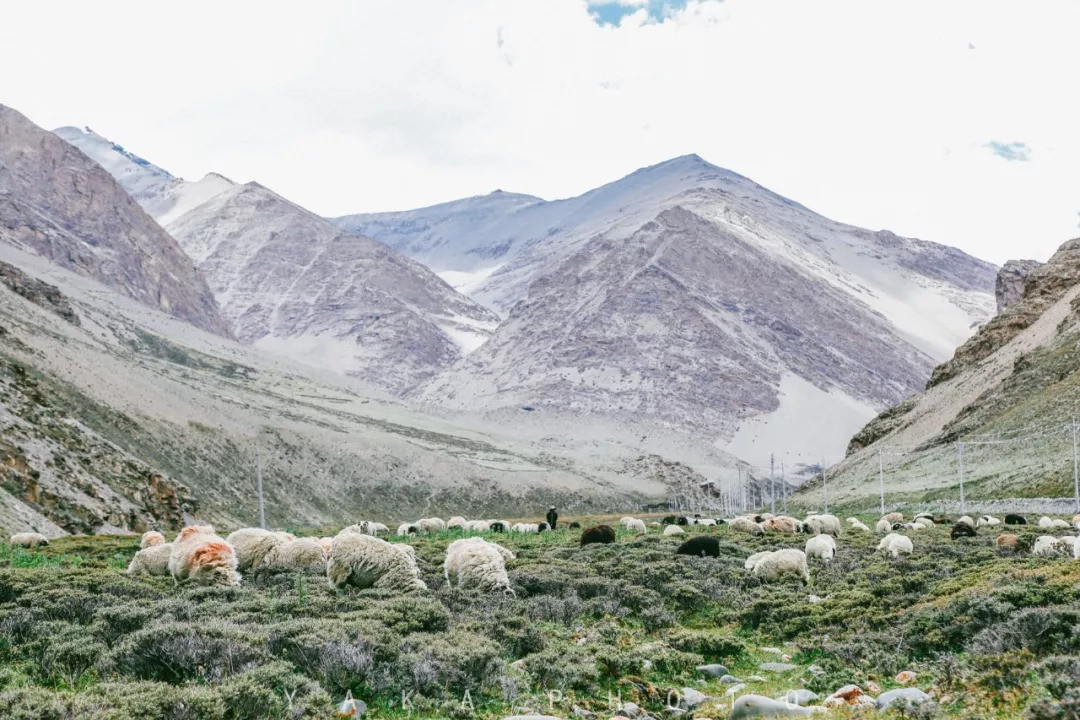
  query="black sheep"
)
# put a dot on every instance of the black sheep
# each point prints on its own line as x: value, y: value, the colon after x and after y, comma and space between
x: 542, y: 527
x: 700, y: 546
x: 552, y: 517
x: 682, y: 521
x: 498, y: 526
x: 961, y: 529
x: 669, y: 520
x: 574, y: 525
x: 1014, y: 519
x: 598, y: 534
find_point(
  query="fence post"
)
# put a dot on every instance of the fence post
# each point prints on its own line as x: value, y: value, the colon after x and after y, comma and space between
x: 258, y: 475
x: 881, y: 482
x: 772, y: 484
x: 1076, y: 471
x: 960, y: 465
x: 824, y: 485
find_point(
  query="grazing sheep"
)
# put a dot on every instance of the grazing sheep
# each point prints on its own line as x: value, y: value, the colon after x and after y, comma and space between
x: 822, y: 524
x: 967, y: 520
x: 896, y: 544
x: 707, y: 522
x: 745, y: 524
x: 821, y: 546
x: 624, y: 520
x: 1006, y: 541
x: 475, y: 562
x: 598, y: 535
x: 325, y: 543
x: 701, y: 546
x: 777, y: 564
x: 1046, y: 523
x: 669, y: 520
x: 1059, y: 524
x: 1076, y: 550
x: 304, y: 554
x: 456, y: 523
x: 500, y: 526
x: 198, y: 554
x: 151, y: 538
x: 1047, y: 545
x: 918, y: 526
x: 857, y: 524
x: 380, y: 528
x: 637, y: 526
x: 755, y: 558
x: 987, y: 521
x: 781, y: 523
x: 152, y: 560
x: 478, y: 526
x: 682, y: 520
x: 252, y: 544
x: 884, y: 525
x: 893, y: 517
x: 28, y: 540
x: 526, y: 527
x: 405, y: 529
x: 1069, y: 540
x: 962, y: 529
x: 543, y: 527
x: 574, y: 525
x: 926, y: 515
x: 364, y: 561
x: 1014, y: 519
x: 1076, y: 521
x: 673, y: 530
x: 430, y: 525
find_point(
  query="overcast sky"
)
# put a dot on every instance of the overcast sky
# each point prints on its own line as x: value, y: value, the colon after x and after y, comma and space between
x: 951, y: 121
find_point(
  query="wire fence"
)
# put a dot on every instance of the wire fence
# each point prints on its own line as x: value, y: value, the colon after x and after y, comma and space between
x: 1030, y: 465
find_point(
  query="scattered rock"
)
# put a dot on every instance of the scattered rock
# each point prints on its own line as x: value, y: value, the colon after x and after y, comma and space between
x: 906, y: 677
x: 814, y: 599
x: 759, y: 706
x: 772, y: 650
x: 873, y: 688
x: 802, y: 696
x: 531, y: 717
x: 730, y: 680
x: 816, y: 670
x: 691, y: 698
x: 849, y: 695
x: 712, y: 670
x: 518, y: 664
x: 755, y: 678
x: 735, y: 689
x: 914, y: 696
x: 776, y: 667
x: 647, y: 664
x: 582, y: 712
x: 630, y: 710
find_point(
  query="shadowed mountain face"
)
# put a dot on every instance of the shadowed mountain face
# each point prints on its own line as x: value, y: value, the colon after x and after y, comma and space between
x: 58, y: 203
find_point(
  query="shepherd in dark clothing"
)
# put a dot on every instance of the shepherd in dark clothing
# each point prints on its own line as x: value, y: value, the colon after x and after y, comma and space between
x: 552, y: 517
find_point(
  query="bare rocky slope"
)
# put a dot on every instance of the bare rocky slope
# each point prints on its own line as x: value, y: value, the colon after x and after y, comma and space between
x: 58, y: 203
x: 289, y: 281
x: 687, y: 298
x: 115, y: 417
x: 1008, y: 394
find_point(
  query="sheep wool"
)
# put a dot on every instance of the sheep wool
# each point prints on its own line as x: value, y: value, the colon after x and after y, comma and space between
x: 637, y: 526
x: 151, y: 538
x: 896, y: 544
x: 1076, y: 521
x: 747, y: 525
x: 152, y: 560
x: 884, y: 525
x: 823, y: 524
x: 857, y: 524
x: 700, y: 546
x: 1060, y: 524
x: 598, y: 535
x: 475, y: 562
x: 407, y: 529
x: 252, y: 545
x: 456, y: 523
x: 364, y: 561
x: 1047, y: 545
x: 988, y: 521
x: 758, y: 706
x: 776, y: 565
x: 1006, y: 541
x: 430, y: 525
x: 1076, y: 550
x: 325, y: 543
x: 199, y: 555
x: 1046, y: 523
x: 781, y: 523
x: 821, y: 546
x: 624, y: 520
x: 673, y: 530
x: 28, y: 540
x: 893, y: 517
x: 755, y: 558
x: 304, y: 554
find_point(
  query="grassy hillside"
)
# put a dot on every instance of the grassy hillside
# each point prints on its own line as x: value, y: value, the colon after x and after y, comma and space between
x: 987, y: 633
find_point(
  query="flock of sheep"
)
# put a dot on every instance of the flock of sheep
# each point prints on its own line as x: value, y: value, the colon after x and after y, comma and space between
x: 357, y: 557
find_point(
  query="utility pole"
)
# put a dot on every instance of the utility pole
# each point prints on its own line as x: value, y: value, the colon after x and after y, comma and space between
x: 1076, y: 470
x: 258, y: 475
x: 772, y: 484
x: 881, y: 482
x: 824, y: 485
x: 783, y: 487
x: 960, y: 466
x: 742, y: 487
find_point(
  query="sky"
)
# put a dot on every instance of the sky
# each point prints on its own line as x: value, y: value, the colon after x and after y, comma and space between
x: 949, y: 121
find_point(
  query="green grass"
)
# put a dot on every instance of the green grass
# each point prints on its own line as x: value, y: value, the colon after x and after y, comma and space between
x: 78, y: 638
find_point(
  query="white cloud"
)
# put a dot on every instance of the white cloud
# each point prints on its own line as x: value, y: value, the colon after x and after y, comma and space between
x: 878, y: 114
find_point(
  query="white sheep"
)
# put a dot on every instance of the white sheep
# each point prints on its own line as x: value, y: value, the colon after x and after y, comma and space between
x: 755, y: 558
x: 673, y: 530
x: 1076, y: 550
x: 430, y: 525
x: 252, y: 545
x: 405, y: 529
x: 151, y: 538
x: 987, y: 521
x: 325, y: 543
x: 884, y: 525
x: 782, y: 523
x: 637, y: 526
x: 918, y: 525
x: 1059, y: 524
x: 456, y: 523
x: 28, y: 540
x: 821, y: 546
x: 152, y: 560
x: 819, y: 524
x: 1069, y: 540
x: 1046, y: 545
x: 364, y: 561
x: 747, y: 525
x: 198, y: 554
x: 378, y: 527
x: 1045, y: 523
x: 967, y: 520
x: 624, y: 520
x: 857, y: 524
x: 893, y: 517
x: 707, y: 522
x: 305, y: 554
x: 525, y: 528
x: 475, y: 562
x: 775, y: 565
x: 896, y: 544
x: 478, y: 526
x: 1076, y: 521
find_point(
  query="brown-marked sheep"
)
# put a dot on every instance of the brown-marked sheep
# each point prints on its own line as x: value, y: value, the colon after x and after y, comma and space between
x: 151, y: 538
x: 199, y: 555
